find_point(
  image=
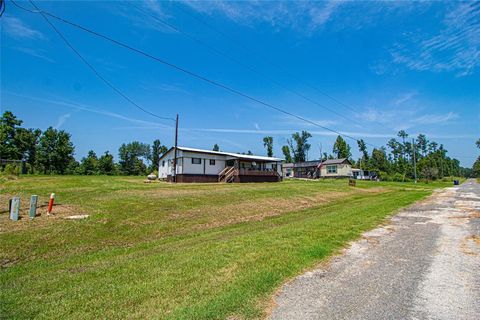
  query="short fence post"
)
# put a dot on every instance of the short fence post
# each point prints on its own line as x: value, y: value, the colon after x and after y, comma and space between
x: 15, y: 208
x: 33, y: 206
x: 50, y: 203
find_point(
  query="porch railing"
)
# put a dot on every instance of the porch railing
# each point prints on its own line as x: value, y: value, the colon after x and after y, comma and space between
x: 252, y: 172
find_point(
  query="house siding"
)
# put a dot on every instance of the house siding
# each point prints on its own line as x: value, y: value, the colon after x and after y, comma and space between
x: 343, y: 170
x: 187, y: 171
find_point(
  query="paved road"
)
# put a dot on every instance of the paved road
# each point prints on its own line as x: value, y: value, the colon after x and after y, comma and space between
x: 424, y: 265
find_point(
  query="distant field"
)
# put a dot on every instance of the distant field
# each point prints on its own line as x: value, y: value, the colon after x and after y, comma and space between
x: 187, y: 251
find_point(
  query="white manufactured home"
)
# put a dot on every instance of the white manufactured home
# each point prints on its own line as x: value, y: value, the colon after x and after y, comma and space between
x: 196, y: 165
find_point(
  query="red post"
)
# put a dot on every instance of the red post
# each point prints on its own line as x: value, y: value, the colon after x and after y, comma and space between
x: 50, y: 203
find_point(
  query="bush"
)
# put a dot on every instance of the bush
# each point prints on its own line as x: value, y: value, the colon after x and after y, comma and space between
x: 11, y: 169
x: 398, y: 177
x: 384, y: 176
x: 29, y: 168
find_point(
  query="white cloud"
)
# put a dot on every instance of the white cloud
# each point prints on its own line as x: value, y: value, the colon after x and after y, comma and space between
x: 143, y: 14
x: 290, y: 131
x: 37, y: 53
x: 300, y: 15
x: 404, y: 118
x: 289, y: 120
x: 454, y: 48
x: 61, y: 120
x: 403, y: 98
x: 167, y: 87
x: 93, y: 109
x: 435, y: 118
x: 17, y: 29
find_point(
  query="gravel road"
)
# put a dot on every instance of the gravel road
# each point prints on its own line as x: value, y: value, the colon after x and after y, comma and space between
x: 424, y: 265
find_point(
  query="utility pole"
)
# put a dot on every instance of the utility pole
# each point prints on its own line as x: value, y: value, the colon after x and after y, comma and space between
x: 414, y: 161
x: 175, y: 151
x: 320, y: 147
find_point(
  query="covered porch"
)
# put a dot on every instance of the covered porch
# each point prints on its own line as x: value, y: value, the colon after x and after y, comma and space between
x: 250, y: 170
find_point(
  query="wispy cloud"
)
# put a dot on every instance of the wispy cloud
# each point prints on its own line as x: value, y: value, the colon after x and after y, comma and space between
x: 37, y: 53
x: 141, y: 14
x: 290, y: 131
x: 93, y: 109
x: 61, y: 120
x: 454, y: 48
x: 404, y: 112
x: 435, y: 118
x: 403, y: 98
x: 289, y: 120
x: 167, y: 87
x: 16, y: 28
x: 301, y: 15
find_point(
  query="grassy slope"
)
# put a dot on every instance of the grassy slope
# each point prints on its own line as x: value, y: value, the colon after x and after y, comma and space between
x: 177, y: 251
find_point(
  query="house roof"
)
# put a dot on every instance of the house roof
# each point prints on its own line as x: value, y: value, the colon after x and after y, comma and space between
x: 230, y: 154
x: 336, y: 161
x: 315, y: 163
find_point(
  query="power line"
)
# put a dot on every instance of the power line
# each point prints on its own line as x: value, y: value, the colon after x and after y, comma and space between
x: 190, y: 73
x: 266, y: 60
x: 91, y: 67
x: 223, y: 54
x: 3, y: 5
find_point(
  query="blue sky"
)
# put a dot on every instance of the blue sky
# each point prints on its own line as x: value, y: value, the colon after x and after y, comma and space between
x: 392, y: 65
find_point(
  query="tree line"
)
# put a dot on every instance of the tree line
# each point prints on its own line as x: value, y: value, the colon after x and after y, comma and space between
x: 396, y: 161
x: 52, y: 152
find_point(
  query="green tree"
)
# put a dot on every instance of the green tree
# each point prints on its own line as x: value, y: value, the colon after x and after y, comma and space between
x: 341, y: 149
x: 89, y: 164
x: 476, y: 168
x: 8, y: 128
x: 216, y: 147
x: 378, y: 161
x: 402, y: 134
x: 422, y: 144
x: 130, y: 155
x: 476, y: 164
x: 157, y: 150
x: 26, y: 141
x: 55, y: 151
x: 106, y: 165
x: 301, y: 147
x: 268, y: 143
x: 432, y: 146
x: 362, y: 147
x: 287, y: 154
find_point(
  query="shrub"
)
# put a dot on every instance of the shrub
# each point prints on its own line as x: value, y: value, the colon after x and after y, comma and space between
x: 398, y: 177
x: 11, y: 169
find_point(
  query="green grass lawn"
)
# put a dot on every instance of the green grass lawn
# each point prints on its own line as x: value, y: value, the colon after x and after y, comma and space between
x: 187, y: 251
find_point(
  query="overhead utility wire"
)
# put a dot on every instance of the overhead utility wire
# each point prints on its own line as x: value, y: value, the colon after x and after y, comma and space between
x: 2, y: 7
x: 266, y: 60
x: 195, y: 75
x: 223, y: 54
x: 108, y: 83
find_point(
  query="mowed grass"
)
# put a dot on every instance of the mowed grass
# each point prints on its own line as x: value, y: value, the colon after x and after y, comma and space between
x: 186, y: 251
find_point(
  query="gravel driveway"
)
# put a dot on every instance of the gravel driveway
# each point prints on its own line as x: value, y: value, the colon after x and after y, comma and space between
x: 424, y: 265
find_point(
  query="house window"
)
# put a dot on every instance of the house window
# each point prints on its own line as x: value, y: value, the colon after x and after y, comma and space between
x: 331, y: 169
x: 196, y: 161
x: 212, y: 162
x: 163, y: 163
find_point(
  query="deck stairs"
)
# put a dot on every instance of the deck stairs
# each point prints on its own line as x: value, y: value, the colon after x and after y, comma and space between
x: 227, y: 175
